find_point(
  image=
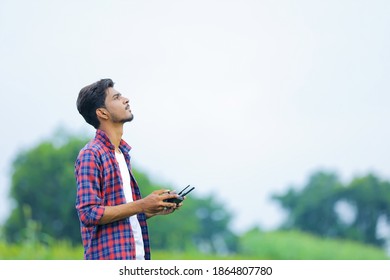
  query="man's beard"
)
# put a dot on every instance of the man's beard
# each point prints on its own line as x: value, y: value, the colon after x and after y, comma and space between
x: 129, y: 119
x: 125, y: 120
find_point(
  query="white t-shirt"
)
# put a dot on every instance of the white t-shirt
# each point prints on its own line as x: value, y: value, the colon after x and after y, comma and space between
x: 139, y: 243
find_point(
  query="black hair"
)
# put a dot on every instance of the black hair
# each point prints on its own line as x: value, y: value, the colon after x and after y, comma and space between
x: 92, y: 97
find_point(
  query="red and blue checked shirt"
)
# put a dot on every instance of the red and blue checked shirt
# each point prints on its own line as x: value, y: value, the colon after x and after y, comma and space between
x: 99, y: 184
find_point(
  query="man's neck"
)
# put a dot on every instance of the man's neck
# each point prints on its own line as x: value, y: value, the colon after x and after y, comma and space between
x: 114, y: 134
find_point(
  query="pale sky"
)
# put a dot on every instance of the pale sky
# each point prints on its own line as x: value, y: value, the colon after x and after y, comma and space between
x: 241, y: 99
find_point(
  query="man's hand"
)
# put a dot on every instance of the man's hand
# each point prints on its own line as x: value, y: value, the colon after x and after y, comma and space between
x: 154, y: 203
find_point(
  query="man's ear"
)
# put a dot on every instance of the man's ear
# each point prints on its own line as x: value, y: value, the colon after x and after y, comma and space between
x: 102, y: 113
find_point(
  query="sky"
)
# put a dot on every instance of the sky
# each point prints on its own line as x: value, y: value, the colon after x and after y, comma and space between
x: 241, y: 99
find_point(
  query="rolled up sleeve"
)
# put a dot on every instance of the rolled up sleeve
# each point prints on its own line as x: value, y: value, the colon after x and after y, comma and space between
x: 89, y: 204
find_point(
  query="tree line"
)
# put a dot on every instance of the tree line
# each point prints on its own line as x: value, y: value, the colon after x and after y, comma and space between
x: 43, y: 189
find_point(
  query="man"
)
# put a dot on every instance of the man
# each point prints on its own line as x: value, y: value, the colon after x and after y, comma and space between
x: 111, y: 210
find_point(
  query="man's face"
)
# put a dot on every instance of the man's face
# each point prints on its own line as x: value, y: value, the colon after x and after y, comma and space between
x: 118, y: 106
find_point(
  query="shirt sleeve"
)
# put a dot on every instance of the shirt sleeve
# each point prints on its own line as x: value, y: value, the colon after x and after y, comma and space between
x: 89, y: 202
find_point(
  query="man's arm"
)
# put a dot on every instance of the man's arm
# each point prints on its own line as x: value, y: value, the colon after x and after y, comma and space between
x: 89, y: 204
x: 151, y: 205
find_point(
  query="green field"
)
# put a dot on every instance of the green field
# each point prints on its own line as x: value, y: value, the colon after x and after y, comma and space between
x: 254, y: 245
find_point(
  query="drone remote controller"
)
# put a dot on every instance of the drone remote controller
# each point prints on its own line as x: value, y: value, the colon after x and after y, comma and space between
x: 179, y: 199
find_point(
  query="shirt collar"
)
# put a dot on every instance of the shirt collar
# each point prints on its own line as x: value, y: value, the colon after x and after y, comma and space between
x: 102, y: 136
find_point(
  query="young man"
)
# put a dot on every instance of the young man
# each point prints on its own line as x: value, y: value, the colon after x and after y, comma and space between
x: 111, y: 210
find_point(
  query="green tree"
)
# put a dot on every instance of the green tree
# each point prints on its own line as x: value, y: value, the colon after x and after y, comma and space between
x: 370, y: 196
x: 44, y: 190
x: 313, y: 208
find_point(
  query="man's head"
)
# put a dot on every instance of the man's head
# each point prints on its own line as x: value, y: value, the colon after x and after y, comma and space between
x: 101, y: 102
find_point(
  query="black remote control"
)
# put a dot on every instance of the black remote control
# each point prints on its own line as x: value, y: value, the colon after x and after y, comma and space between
x: 179, y: 199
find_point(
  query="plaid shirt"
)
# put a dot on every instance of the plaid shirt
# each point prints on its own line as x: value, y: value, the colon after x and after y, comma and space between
x: 99, y: 184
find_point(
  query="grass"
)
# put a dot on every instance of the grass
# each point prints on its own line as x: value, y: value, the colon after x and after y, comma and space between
x: 295, y: 245
x: 254, y: 245
x: 36, y: 251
